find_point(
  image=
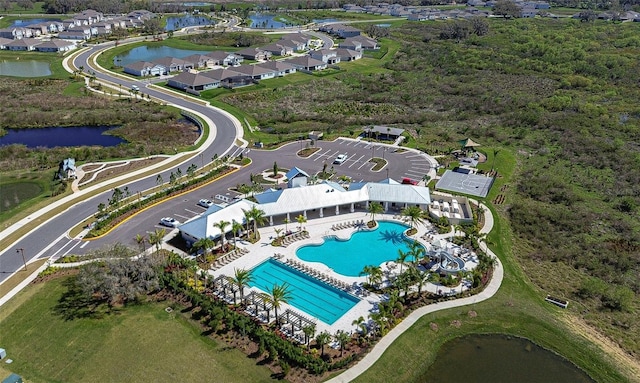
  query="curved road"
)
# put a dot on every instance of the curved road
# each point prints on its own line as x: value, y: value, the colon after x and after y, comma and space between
x: 49, y: 238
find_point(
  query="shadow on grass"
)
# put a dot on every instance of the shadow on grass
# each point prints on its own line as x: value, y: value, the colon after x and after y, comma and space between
x: 75, y: 304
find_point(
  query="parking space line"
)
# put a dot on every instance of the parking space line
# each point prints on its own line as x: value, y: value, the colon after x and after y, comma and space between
x: 182, y: 216
x: 356, y: 161
x: 363, y: 164
x: 194, y: 212
x: 322, y: 154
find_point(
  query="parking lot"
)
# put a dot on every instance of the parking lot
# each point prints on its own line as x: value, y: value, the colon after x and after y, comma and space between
x: 400, y: 164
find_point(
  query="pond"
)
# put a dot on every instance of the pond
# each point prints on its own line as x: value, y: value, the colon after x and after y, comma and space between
x: 178, y: 22
x: 266, y: 21
x: 61, y: 136
x: 25, y: 22
x: 146, y: 53
x: 500, y: 358
x: 24, y: 68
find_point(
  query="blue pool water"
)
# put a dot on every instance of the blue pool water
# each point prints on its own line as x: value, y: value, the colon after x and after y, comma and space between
x: 364, y: 248
x: 310, y: 295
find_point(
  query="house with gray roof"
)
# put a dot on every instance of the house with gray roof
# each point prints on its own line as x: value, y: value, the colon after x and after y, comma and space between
x: 225, y: 58
x: 201, y: 61
x: 279, y: 68
x: 15, y: 33
x: 329, y: 56
x: 298, y: 41
x: 255, y: 71
x: 307, y: 63
x: 144, y: 68
x: 55, y: 45
x: 383, y: 132
x: 348, y: 54
x: 23, y: 45
x: 3, y: 42
x: 365, y: 42
x: 256, y: 54
x: 340, y: 30
x: 193, y: 82
x: 174, y: 64
x: 229, y: 78
x: 71, y: 35
x: 350, y: 44
x: 278, y: 49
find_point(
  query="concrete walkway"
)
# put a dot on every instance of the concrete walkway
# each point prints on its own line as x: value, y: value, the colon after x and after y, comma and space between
x: 384, y: 343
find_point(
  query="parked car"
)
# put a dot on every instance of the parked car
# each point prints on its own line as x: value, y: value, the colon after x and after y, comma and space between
x: 205, y: 203
x: 409, y: 181
x: 340, y: 159
x: 169, y: 222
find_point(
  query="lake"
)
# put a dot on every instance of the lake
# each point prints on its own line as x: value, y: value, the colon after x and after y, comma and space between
x: 265, y: 21
x: 179, y: 22
x: 61, y: 136
x: 499, y: 358
x: 24, y: 68
x: 25, y: 22
x: 146, y: 53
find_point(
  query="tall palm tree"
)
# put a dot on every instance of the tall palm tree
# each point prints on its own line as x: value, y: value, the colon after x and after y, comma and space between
x: 155, y: 238
x: 343, y: 338
x: 361, y: 324
x: 416, y: 251
x: 375, y: 208
x: 414, y: 214
x: 309, y: 332
x: 222, y: 226
x: 278, y: 295
x: 236, y: 227
x: 286, y: 222
x: 141, y: 239
x: 323, y: 339
x: 256, y: 215
x: 373, y: 274
x: 402, y: 258
x: 241, y: 279
x: 205, y: 244
x: 301, y: 219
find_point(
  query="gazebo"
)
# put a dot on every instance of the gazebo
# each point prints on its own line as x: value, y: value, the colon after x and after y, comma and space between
x: 468, y: 143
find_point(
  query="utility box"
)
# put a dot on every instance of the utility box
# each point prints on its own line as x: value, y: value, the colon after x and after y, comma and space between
x: 3, y: 353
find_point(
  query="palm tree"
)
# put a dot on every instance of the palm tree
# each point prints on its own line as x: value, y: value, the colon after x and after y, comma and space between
x: 343, y: 338
x: 278, y: 231
x: 373, y: 273
x: 256, y: 215
x: 241, y: 279
x: 416, y: 251
x: 309, y: 332
x: 236, y: 227
x: 205, y: 244
x: 301, y: 219
x: 155, y: 239
x: 402, y: 258
x: 414, y: 214
x: 375, y: 208
x: 361, y: 324
x: 322, y: 340
x: 286, y: 222
x: 222, y: 226
x: 141, y: 239
x: 278, y: 295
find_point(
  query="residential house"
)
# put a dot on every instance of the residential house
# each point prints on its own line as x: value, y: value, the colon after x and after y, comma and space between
x: 255, y: 71
x: 280, y: 68
x: 256, y: 54
x: 88, y: 17
x: 366, y: 42
x: 173, y: 64
x: 4, y: 41
x: 56, y: 45
x: 353, y: 44
x: 141, y: 15
x: 340, y: 30
x: 23, y: 45
x: 229, y: 78
x: 70, y: 23
x: 71, y: 35
x: 103, y: 28
x: 144, y: 68
x: 348, y: 54
x: 307, y: 63
x: 330, y: 56
x: 193, y: 82
x: 278, y: 49
x: 201, y: 61
x: 298, y: 41
x: 86, y: 30
x: 353, y: 8
x: 15, y: 33
x: 37, y: 30
x: 226, y: 59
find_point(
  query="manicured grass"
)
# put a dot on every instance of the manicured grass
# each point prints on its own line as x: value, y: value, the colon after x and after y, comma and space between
x: 15, y: 193
x: 24, y: 193
x: 139, y: 343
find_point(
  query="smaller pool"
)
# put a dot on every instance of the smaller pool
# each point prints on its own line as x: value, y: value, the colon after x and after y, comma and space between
x: 364, y: 248
x: 310, y: 295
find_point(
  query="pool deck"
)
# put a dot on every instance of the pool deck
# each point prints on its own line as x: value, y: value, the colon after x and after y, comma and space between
x: 319, y: 228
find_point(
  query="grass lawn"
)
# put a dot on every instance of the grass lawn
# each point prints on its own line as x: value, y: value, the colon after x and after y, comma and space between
x: 139, y: 343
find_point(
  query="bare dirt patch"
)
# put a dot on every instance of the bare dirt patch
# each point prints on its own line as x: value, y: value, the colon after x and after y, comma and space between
x: 117, y: 169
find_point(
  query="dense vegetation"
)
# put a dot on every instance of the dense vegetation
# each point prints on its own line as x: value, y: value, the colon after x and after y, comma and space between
x: 560, y: 94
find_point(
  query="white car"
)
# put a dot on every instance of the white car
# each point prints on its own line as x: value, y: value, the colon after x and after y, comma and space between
x: 205, y: 203
x: 340, y: 159
x: 170, y: 222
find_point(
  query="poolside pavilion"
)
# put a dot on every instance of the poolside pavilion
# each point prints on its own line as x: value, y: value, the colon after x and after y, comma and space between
x: 310, y: 201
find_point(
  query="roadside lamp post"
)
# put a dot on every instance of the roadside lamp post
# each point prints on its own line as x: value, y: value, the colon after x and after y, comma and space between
x: 373, y: 148
x: 21, y: 251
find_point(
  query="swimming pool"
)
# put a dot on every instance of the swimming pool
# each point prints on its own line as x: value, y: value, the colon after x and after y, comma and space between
x: 310, y: 295
x: 364, y: 248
